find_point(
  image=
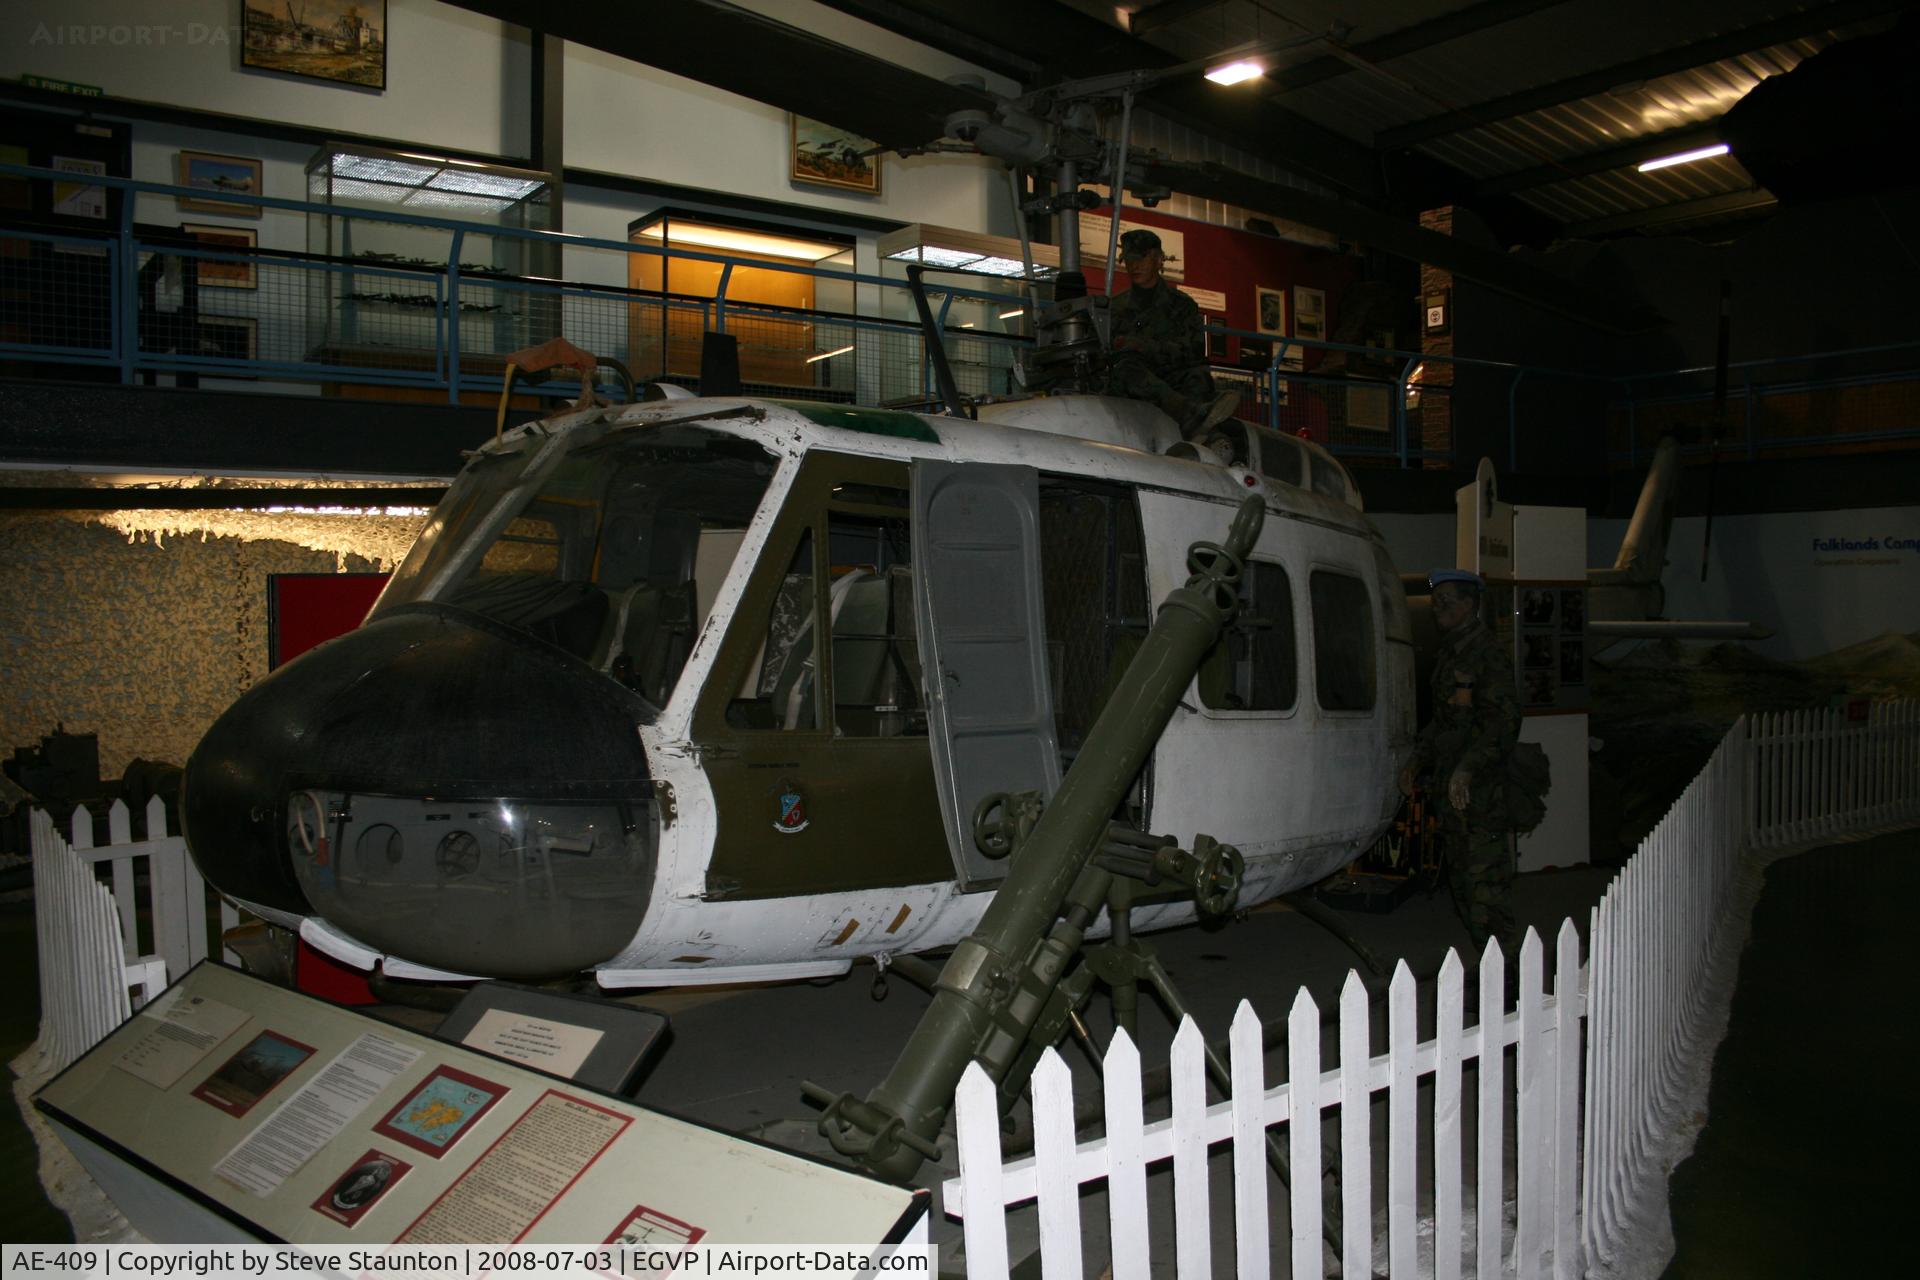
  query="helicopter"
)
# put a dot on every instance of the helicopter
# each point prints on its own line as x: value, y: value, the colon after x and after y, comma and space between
x: 648, y: 697
x: 712, y: 689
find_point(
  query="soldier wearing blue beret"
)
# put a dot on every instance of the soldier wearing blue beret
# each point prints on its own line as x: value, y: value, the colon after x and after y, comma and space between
x: 1464, y: 747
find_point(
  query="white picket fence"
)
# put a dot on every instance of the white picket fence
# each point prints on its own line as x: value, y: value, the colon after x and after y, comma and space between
x: 1588, y: 1162
x: 93, y: 970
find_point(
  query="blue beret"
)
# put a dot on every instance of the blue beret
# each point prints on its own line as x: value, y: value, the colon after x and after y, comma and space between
x: 1467, y: 576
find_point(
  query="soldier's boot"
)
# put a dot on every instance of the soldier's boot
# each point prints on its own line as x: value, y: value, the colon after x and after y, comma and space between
x: 1208, y: 415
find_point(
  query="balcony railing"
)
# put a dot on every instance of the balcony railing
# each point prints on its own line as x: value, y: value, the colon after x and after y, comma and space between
x: 136, y: 302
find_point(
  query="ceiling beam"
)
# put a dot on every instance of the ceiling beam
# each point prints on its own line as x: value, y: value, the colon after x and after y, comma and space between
x: 1727, y: 206
x: 739, y: 51
x: 1069, y: 44
x: 1155, y: 17
x: 1636, y: 152
x: 932, y: 30
x: 1667, y: 62
x: 1407, y: 40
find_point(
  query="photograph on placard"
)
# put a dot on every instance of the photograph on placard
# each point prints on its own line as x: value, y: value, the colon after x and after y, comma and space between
x: 237, y: 1085
x: 361, y: 1186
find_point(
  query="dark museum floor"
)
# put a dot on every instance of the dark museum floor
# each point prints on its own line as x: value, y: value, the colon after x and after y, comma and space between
x: 1799, y: 1171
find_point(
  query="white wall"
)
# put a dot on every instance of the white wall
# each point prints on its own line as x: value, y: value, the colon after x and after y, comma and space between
x: 458, y: 81
x: 1774, y: 570
x: 455, y: 80
x: 626, y: 118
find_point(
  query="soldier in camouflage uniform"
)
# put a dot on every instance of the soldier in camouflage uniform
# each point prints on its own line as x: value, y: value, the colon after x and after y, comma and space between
x: 1159, y: 346
x: 1464, y: 747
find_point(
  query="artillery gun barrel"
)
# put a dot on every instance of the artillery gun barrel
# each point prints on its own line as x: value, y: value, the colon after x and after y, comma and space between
x: 972, y: 996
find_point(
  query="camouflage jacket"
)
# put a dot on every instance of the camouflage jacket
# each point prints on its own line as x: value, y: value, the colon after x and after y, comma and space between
x: 1162, y: 326
x: 1476, y: 718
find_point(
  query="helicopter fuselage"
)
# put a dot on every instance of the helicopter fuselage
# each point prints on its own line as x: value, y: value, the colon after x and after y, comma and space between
x: 648, y: 697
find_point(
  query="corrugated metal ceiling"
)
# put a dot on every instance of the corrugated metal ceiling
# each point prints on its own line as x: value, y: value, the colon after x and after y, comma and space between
x: 1553, y: 43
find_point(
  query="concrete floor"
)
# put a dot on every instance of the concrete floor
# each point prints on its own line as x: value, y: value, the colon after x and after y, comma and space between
x: 1805, y: 1167
x: 738, y: 1054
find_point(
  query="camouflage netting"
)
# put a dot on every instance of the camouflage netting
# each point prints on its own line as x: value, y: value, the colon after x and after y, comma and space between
x: 141, y: 626
x: 1661, y: 709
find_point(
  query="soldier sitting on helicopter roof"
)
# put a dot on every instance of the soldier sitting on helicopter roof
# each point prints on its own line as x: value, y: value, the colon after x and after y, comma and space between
x: 1159, y: 347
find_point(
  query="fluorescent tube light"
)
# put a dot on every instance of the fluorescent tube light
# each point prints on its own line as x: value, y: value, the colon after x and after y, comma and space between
x: 1685, y: 157
x: 828, y: 355
x: 1236, y: 72
x: 1017, y: 311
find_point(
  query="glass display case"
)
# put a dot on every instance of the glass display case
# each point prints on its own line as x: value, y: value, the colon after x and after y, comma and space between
x: 377, y: 294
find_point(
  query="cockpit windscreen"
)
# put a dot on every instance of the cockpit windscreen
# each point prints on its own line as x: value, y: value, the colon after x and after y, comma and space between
x: 612, y: 552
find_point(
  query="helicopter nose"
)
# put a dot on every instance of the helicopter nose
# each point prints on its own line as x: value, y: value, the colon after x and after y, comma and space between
x: 441, y: 787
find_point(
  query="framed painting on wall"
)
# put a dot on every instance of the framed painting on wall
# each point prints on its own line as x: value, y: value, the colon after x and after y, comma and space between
x: 229, y: 175
x: 224, y: 273
x: 1270, y: 312
x: 1309, y: 313
x: 229, y: 338
x: 1309, y: 322
x: 825, y: 156
x: 344, y: 41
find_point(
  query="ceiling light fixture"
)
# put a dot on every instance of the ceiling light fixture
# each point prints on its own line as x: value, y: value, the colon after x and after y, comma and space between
x: 1017, y: 311
x: 1685, y: 157
x: 683, y: 234
x: 828, y: 355
x: 1237, y: 72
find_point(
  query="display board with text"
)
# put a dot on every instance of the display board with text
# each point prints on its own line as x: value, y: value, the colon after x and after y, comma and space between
x: 296, y: 1120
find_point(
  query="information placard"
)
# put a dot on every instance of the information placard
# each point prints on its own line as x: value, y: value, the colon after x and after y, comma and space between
x: 320, y: 1126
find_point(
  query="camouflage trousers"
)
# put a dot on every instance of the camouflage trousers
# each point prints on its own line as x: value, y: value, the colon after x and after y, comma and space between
x: 1480, y: 874
x: 1180, y: 393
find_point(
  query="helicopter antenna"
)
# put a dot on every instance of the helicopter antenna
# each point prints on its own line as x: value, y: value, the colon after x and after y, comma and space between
x: 936, y: 345
x: 1026, y: 243
x: 1117, y: 184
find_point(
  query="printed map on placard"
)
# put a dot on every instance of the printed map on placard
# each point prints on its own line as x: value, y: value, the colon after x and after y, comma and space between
x: 435, y: 1115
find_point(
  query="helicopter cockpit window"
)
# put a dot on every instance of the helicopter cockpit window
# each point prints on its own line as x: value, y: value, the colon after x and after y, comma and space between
x: 465, y: 506
x: 1342, y: 641
x: 1280, y: 458
x: 616, y: 553
x: 1255, y: 665
x: 1328, y: 479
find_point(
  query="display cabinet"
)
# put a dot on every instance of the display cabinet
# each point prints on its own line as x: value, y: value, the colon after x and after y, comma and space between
x: 377, y: 293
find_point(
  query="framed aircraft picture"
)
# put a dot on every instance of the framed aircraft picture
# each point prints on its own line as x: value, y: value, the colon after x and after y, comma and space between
x: 340, y: 40
x: 824, y: 156
x: 230, y: 175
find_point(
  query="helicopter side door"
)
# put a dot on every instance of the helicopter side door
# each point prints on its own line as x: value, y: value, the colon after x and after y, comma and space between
x: 983, y: 617
x: 811, y: 728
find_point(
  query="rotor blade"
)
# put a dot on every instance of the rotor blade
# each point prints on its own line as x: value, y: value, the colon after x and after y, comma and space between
x: 757, y: 57
x: 1400, y: 237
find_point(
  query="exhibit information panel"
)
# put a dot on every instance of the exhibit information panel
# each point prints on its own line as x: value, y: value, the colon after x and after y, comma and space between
x: 291, y: 1119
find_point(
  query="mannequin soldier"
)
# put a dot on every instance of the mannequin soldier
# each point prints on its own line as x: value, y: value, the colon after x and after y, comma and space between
x: 1464, y: 748
x: 1159, y: 345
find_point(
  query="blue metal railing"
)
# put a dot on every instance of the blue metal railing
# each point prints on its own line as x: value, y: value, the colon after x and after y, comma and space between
x: 1761, y: 396
x: 146, y: 302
